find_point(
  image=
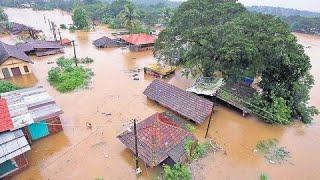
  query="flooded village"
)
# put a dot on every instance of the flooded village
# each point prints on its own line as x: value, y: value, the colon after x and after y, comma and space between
x: 88, y: 133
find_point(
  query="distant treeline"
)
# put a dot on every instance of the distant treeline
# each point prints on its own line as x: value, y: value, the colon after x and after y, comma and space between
x: 299, y: 21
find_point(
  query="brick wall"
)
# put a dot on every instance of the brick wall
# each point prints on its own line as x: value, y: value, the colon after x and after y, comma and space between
x: 54, y: 128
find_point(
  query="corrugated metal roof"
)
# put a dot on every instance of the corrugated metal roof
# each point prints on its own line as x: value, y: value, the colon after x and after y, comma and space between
x: 29, y: 105
x: 5, y: 118
x: 139, y: 39
x: 12, y: 144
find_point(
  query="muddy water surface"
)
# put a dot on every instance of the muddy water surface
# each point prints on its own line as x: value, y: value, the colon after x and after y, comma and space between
x: 81, y: 153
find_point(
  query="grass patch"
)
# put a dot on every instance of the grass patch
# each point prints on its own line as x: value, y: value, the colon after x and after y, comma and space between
x: 67, y: 77
x: 272, y: 152
x: 7, y: 86
x: 190, y: 128
x: 263, y: 177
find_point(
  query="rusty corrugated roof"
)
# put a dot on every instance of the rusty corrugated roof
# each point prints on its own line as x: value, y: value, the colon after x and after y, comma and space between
x: 158, y: 138
x: 5, y: 119
x: 139, y: 39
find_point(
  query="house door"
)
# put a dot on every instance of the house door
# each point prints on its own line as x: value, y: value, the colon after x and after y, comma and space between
x: 38, y: 130
x: 16, y: 71
x: 6, y: 73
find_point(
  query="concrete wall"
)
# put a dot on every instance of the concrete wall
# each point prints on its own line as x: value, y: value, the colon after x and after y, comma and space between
x: 12, y: 63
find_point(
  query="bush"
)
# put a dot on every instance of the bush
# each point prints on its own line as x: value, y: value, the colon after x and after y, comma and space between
x: 67, y: 77
x: 63, y: 26
x: 195, y: 150
x: 72, y: 29
x: 7, y: 86
x: 178, y: 171
x: 86, y: 60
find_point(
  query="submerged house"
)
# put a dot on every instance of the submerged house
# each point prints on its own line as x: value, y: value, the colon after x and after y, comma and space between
x: 158, y: 70
x: 41, y: 48
x: 160, y: 140
x: 184, y: 103
x: 139, y: 42
x: 13, y: 61
x: 13, y: 148
x: 34, y: 111
x: 17, y: 28
x: 106, y: 42
x: 234, y: 93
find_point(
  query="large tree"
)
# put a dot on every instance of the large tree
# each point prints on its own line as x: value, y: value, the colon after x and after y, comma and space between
x: 80, y: 18
x: 129, y: 17
x: 209, y: 36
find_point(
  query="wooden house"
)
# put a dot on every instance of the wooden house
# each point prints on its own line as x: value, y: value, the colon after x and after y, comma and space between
x: 13, y: 148
x: 139, y: 42
x: 13, y: 61
x: 41, y: 48
x: 160, y: 140
x: 184, y: 103
x: 34, y: 111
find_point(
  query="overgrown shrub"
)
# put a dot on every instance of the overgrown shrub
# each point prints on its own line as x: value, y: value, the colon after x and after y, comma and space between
x: 176, y: 172
x: 195, y: 150
x: 63, y: 26
x: 86, y: 60
x: 67, y: 77
x: 7, y: 86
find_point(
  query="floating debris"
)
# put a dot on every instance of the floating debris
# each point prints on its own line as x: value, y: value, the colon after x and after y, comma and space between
x: 272, y: 152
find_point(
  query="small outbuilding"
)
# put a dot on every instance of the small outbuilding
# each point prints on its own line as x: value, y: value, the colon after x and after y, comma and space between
x: 160, y: 140
x: 13, y: 148
x: 106, y: 42
x: 17, y: 28
x: 13, y: 61
x: 158, y: 70
x: 65, y: 42
x: 139, y: 42
x: 184, y: 103
x: 34, y: 111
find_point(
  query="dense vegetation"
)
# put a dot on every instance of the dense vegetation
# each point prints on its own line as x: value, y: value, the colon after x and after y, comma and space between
x: 299, y: 21
x: 178, y: 171
x: 68, y: 77
x: 7, y: 86
x: 210, y: 36
x: 282, y: 12
x: 3, y: 21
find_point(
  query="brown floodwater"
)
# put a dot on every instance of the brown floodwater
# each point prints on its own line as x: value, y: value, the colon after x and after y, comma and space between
x: 81, y: 153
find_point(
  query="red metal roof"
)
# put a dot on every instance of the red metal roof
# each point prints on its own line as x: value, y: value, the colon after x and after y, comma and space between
x: 5, y: 119
x: 139, y: 39
x: 158, y: 138
x: 184, y: 103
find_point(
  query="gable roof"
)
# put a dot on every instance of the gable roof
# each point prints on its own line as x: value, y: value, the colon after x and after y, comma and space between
x: 158, y: 139
x: 12, y: 144
x: 5, y: 119
x: 184, y: 103
x: 104, y: 41
x: 7, y: 51
x: 16, y: 28
x: 30, y: 105
x: 139, y: 39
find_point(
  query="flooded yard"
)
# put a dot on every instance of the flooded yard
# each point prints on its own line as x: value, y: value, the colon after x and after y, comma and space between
x: 82, y: 153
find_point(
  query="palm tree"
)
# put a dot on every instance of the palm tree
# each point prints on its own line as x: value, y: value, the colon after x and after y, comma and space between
x: 129, y: 17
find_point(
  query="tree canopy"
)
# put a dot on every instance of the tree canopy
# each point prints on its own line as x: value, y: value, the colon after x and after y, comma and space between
x: 210, y: 36
x: 80, y: 18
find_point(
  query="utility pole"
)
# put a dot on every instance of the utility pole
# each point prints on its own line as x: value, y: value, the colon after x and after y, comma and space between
x: 74, y: 52
x: 210, y: 117
x: 54, y: 31
x: 60, y: 36
x: 136, y: 145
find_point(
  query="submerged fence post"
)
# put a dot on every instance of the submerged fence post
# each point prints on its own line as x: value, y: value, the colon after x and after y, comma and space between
x: 74, y: 52
x: 136, y: 146
x: 210, y: 118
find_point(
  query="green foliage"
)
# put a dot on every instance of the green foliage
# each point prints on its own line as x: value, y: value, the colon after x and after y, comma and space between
x: 195, y: 150
x: 86, y: 60
x: 115, y: 23
x: 282, y: 12
x: 274, y: 154
x: 178, y: 171
x: 263, y: 177
x: 63, y: 26
x: 309, y: 25
x: 67, y: 77
x: 190, y: 128
x: 72, y: 29
x: 80, y: 18
x: 210, y: 36
x: 7, y: 86
x: 129, y: 17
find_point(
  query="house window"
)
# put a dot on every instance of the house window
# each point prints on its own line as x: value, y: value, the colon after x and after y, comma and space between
x: 26, y: 69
